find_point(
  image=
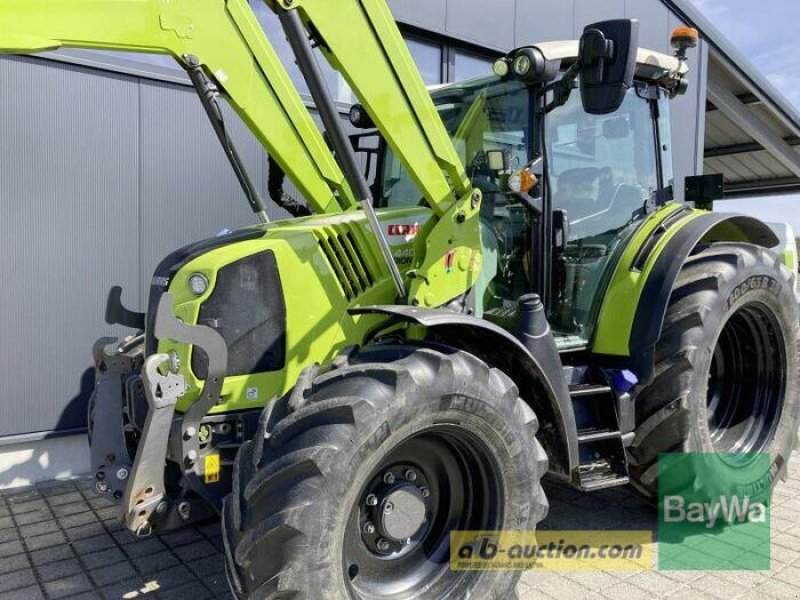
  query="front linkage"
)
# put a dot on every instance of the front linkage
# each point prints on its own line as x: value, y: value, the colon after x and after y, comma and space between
x: 132, y: 414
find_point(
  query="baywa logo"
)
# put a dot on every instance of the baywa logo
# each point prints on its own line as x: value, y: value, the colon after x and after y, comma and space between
x: 714, y: 511
x: 728, y: 510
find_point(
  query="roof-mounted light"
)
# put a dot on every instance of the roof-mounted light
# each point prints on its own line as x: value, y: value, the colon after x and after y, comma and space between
x: 682, y: 39
x: 501, y: 67
x: 522, y: 65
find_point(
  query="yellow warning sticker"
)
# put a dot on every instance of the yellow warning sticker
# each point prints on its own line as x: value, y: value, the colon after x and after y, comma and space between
x: 211, y: 471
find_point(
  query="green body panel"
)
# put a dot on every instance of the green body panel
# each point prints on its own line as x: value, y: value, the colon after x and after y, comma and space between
x: 615, y: 321
x: 230, y: 44
x: 316, y: 293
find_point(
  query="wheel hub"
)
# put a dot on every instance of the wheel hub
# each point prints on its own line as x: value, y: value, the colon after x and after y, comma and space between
x: 402, y: 513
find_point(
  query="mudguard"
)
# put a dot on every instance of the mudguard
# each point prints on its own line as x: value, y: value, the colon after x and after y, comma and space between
x: 545, y: 391
x: 648, y: 274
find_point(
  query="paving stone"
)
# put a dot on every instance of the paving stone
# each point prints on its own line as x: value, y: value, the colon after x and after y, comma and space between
x: 64, y: 510
x: 37, y: 516
x: 180, y: 538
x: 9, y: 535
x: 59, y: 570
x: 121, y: 589
x: 103, y: 558
x: 152, y: 563
x: 14, y: 563
x: 77, y: 520
x: 6, y: 522
x: 29, y: 593
x: 144, y: 547
x: 173, y: 577
x: 69, y: 498
x: 39, y: 542
x: 85, y: 531
x: 111, y: 574
x: 52, y: 554
x: 209, y: 565
x: 194, y: 590
x: 34, y: 529
x: 94, y: 544
x: 196, y: 550
x: 9, y: 548
x: 67, y: 586
x: 28, y: 506
x: 17, y: 579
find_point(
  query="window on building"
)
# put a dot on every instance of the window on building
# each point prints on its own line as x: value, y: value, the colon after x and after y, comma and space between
x: 428, y: 58
x: 467, y: 65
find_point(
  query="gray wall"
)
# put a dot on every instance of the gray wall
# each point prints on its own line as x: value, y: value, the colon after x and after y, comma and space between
x: 102, y: 174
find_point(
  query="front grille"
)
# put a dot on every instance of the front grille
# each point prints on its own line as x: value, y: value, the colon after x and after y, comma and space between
x: 348, y: 265
x: 247, y: 308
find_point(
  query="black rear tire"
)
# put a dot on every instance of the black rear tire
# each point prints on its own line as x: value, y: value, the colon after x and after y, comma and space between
x: 342, y: 446
x: 726, y: 377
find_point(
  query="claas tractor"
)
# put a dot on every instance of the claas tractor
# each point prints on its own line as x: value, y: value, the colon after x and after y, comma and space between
x: 488, y: 282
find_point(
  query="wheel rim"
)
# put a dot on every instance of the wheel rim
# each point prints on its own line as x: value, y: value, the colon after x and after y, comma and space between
x: 747, y: 381
x: 444, y: 472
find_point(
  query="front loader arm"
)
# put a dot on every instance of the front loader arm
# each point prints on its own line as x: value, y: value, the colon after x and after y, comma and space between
x: 360, y: 39
x: 228, y: 41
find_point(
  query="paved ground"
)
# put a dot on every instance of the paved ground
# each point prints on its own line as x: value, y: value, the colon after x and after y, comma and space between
x: 61, y: 540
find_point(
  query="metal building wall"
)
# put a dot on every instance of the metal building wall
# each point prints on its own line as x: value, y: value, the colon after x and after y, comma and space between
x: 102, y: 174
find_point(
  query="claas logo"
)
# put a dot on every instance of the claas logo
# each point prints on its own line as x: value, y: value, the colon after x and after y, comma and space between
x: 408, y: 230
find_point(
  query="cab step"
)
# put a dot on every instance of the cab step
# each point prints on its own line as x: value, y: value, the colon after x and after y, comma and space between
x: 600, y: 442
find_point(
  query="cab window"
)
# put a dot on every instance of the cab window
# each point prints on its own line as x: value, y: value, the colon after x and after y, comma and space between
x: 602, y: 173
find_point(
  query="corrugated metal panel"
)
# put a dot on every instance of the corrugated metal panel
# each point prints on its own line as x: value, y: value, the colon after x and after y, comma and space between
x: 654, y: 23
x: 68, y: 212
x: 591, y: 11
x: 544, y: 22
x: 430, y: 15
x: 490, y: 24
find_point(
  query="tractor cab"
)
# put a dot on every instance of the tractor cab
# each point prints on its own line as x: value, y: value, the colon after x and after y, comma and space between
x: 564, y: 185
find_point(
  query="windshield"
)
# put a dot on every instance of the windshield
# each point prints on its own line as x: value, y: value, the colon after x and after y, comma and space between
x: 481, y: 115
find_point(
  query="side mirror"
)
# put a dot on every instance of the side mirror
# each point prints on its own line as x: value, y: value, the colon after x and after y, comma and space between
x: 607, y: 60
x: 702, y: 190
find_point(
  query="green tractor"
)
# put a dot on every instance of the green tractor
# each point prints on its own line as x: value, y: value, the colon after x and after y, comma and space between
x: 510, y: 290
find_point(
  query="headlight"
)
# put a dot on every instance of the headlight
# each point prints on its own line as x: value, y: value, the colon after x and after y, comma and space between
x: 198, y: 283
x: 522, y: 65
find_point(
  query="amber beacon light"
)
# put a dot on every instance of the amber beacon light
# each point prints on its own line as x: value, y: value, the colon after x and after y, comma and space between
x: 682, y: 39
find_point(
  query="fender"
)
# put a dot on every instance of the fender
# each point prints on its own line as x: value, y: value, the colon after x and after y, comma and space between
x: 545, y: 391
x: 654, y: 269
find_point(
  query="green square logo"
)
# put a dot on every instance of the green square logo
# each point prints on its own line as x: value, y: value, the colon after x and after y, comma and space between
x: 713, y: 511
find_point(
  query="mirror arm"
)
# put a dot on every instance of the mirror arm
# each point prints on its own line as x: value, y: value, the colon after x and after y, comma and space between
x: 535, y: 205
x: 562, y: 89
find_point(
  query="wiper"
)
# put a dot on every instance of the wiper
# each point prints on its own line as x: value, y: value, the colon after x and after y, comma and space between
x: 209, y: 98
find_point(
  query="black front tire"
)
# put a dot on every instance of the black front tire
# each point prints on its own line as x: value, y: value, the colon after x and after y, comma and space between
x: 294, y: 524
x: 726, y: 377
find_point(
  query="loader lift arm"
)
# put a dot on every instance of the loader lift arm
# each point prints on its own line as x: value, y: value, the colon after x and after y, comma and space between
x: 228, y: 42
x: 372, y: 56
